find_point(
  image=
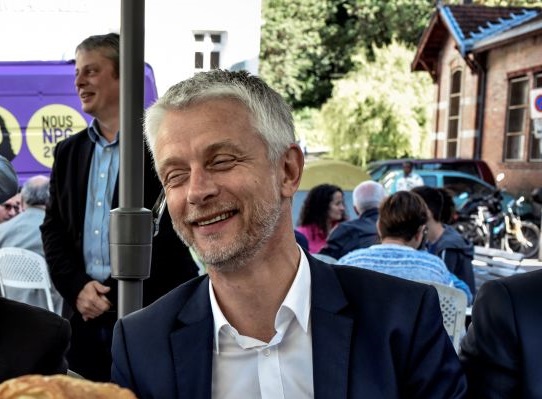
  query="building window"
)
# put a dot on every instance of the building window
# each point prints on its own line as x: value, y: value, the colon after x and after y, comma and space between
x: 215, y: 60
x: 208, y: 48
x: 454, y: 115
x: 536, y: 144
x: 518, y: 95
x: 198, y: 60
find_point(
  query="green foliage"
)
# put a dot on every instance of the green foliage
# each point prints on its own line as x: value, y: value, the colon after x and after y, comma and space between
x: 379, y: 109
x: 379, y: 22
x: 309, y: 128
x: 292, y: 57
x: 503, y: 3
x: 307, y: 43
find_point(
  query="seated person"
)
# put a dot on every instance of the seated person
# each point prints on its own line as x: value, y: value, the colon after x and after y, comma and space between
x: 402, y: 229
x: 32, y: 340
x: 444, y: 241
x: 322, y: 210
x: 360, y: 232
x: 266, y: 320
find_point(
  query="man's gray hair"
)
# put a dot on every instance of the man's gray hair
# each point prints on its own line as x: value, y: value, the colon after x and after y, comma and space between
x: 35, y: 191
x: 271, y: 116
x: 368, y: 194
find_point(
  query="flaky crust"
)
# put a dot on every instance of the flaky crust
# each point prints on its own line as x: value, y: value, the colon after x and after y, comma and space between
x: 60, y: 387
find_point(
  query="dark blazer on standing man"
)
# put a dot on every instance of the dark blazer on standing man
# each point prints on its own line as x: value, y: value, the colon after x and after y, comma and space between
x: 502, y: 351
x: 373, y: 336
x: 63, y: 227
x: 32, y: 340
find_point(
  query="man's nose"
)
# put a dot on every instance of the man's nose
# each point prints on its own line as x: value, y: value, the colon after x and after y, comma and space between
x: 201, y: 186
x: 79, y: 81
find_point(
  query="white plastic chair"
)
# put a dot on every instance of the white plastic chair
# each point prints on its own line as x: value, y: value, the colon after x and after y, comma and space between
x: 325, y: 258
x: 21, y: 268
x: 453, y: 305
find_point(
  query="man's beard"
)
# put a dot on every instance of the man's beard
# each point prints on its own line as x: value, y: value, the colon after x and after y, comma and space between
x: 248, y: 242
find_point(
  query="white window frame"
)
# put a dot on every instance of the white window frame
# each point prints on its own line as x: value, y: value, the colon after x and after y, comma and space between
x: 207, y: 47
x: 456, y: 117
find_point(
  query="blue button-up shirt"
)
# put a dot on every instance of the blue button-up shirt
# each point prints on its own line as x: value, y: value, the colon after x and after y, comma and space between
x: 104, y: 169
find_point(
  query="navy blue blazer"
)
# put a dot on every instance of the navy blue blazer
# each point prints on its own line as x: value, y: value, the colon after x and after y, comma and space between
x: 32, y: 340
x: 501, y: 352
x: 373, y: 336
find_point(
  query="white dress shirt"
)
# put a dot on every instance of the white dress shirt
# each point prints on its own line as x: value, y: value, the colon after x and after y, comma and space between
x: 245, y: 367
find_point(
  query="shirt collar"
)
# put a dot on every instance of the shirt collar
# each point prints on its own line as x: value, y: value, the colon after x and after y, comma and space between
x: 95, y: 134
x: 298, y: 300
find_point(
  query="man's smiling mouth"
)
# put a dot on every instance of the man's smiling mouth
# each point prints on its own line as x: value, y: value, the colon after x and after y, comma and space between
x: 218, y: 218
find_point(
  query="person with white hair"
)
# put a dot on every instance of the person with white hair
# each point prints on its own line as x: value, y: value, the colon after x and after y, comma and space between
x: 23, y: 231
x: 360, y: 232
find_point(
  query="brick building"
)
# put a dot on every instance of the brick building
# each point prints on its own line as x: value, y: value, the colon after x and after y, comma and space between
x: 484, y: 62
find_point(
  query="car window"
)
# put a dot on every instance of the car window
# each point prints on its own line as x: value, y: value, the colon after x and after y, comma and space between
x: 459, y: 185
x: 430, y: 181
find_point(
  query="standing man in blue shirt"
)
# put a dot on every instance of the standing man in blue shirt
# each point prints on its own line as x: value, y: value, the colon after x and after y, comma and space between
x: 75, y: 232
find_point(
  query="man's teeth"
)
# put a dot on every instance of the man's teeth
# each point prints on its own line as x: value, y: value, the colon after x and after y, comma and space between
x: 215, y: 219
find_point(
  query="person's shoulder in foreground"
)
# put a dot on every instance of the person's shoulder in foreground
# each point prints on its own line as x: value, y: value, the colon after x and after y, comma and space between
x: 501, y: 352
x: 32, y: 340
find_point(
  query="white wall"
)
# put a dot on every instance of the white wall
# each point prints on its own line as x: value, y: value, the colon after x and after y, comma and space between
x: 51, y: 29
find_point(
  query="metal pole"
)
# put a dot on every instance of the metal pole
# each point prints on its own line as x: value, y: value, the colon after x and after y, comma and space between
x: 131, y: 224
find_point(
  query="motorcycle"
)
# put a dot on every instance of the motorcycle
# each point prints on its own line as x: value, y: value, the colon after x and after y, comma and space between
x: 484, y: 222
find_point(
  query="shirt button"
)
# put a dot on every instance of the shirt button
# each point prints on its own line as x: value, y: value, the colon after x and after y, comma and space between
x: 267, y: 352
x: 99, y: 203
x: 102, y: 175
x: 96, y: 232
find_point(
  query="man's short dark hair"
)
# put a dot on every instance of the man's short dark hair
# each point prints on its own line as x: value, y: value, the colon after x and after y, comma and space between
x: 433, y: 199
x: 109, y: 42
x: 401, y: 215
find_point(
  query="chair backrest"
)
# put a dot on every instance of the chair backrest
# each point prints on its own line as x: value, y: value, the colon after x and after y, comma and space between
x: 21, y: 268
x: 325, y: 258
x: 453, y: 305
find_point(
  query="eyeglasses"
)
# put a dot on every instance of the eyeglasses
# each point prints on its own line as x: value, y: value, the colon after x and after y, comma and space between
x: 158, y: 210
x: 9, y: 207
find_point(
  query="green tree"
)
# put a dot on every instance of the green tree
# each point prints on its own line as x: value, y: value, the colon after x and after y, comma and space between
x: 505, y: 3
x: 307, y: 43
x: 379, y: 22
x: 379, y: 109
x: 292, y: 57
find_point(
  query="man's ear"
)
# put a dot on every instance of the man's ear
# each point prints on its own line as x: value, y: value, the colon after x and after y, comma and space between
x: 291, y: 170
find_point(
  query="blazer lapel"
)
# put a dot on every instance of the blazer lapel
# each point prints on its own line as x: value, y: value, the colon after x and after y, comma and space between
x: 331, y: 333
x: 87, y: 148
x: 192, y: 345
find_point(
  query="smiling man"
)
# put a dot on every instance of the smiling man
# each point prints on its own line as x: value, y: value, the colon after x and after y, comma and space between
x: 268, y: 321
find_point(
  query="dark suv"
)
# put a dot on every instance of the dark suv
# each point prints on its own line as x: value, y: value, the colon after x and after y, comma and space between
x: 475, y: 167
